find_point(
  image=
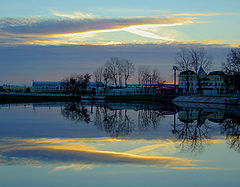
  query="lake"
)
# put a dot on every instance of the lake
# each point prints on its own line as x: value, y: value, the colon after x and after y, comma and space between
x: 119, y: 144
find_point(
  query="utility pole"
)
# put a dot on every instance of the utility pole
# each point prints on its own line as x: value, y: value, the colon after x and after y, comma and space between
x: 175, y: 77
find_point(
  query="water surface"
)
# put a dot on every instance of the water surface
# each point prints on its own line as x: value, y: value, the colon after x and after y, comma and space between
x: 119, y: 144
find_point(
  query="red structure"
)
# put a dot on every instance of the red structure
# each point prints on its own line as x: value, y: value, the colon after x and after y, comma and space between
x: 168, y: 89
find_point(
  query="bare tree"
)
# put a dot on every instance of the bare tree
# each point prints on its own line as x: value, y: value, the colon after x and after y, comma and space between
x: 232, y: 68
x: 155, y: 76
x: 183, y: 60
x: 111, y: 69
x: 117, y: 71
x: 148, y: 76
x: 127, y: 69
x: 191, y: 60
x: 141, y: 73
x: 183, y: 64
x: 233, y: 62
x: 107, y: 76
x: 200, y: 58
x: 98, y: 75
x: 120, y: 70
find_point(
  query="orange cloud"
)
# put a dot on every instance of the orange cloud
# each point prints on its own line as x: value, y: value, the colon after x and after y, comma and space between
x: 74, y: 153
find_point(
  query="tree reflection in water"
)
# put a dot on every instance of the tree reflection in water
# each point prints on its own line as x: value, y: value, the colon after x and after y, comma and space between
x: 76, y: 112
x: 149, y: 118
x: 192, y: 131
x: 114, y: 122
x: 230, y: 128
x: 194, y: 128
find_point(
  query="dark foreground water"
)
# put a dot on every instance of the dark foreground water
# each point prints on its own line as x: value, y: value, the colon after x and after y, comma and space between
x: 119, y: 144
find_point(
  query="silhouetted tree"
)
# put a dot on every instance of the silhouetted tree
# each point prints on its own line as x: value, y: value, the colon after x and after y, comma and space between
x: 117, y: 70
x: 77, y: 83
x: 111, y: 70
x: 127, y: 69
x: 148, y: 77
x: 232, y: 68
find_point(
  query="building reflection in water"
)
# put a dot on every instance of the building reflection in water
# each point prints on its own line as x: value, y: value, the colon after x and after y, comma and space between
x: 197, y: 126
x: 193, y: 129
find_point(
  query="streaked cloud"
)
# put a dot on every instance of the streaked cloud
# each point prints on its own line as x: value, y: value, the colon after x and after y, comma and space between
x: 75, y: 167
x: 75, y: 28
x: 147, y: 148
x: 63, y: 26
x: 78, y: 156
x: 82, y: 28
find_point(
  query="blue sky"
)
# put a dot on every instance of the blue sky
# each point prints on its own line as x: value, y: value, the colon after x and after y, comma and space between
x: 212, y: 24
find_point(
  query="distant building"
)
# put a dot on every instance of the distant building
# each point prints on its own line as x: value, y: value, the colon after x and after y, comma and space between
x: 47, y: 86
x: 13, y: 88
x: 58, y: 86
x: 212, y: 83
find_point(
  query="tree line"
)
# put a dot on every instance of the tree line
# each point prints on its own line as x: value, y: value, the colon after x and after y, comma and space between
x: 116, y: 71
x: 119, y: 71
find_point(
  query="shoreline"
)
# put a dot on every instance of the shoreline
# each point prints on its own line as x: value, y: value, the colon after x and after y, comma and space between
x: 34, y: 97
x: 26, y: 98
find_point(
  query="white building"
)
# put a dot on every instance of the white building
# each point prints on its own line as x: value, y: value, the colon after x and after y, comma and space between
x: 212, y: 83
x: 47, y: 86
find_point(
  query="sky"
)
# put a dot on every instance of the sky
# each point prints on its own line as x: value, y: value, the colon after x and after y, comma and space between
x: 50, y: 39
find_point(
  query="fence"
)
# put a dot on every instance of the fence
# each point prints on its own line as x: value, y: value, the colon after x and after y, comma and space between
x: 127, y: 92
x: 210, y: 95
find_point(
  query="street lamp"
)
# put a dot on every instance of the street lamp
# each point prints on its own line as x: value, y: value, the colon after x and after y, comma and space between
x: 174, y: 76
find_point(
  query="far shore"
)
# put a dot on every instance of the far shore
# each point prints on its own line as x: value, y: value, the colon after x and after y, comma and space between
x: 14, y: 98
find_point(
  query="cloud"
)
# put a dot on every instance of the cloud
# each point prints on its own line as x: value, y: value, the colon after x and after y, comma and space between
x: 78, y: 156
x: 64, y: 26
x: 148, y: 148
x: 75, y: 28
x: 198, y: 14
x: 74, y: 15
x: 57, y: 154
x: 81, y: 28
x: 75, y: 167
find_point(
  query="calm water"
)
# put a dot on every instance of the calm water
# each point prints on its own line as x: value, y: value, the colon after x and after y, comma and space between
x: 119, y: 144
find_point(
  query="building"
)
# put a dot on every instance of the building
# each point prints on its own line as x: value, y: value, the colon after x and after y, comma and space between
x: 14, y: 88
x: 58, y: 86
x: 211, y: 84
x: 47, y: 86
